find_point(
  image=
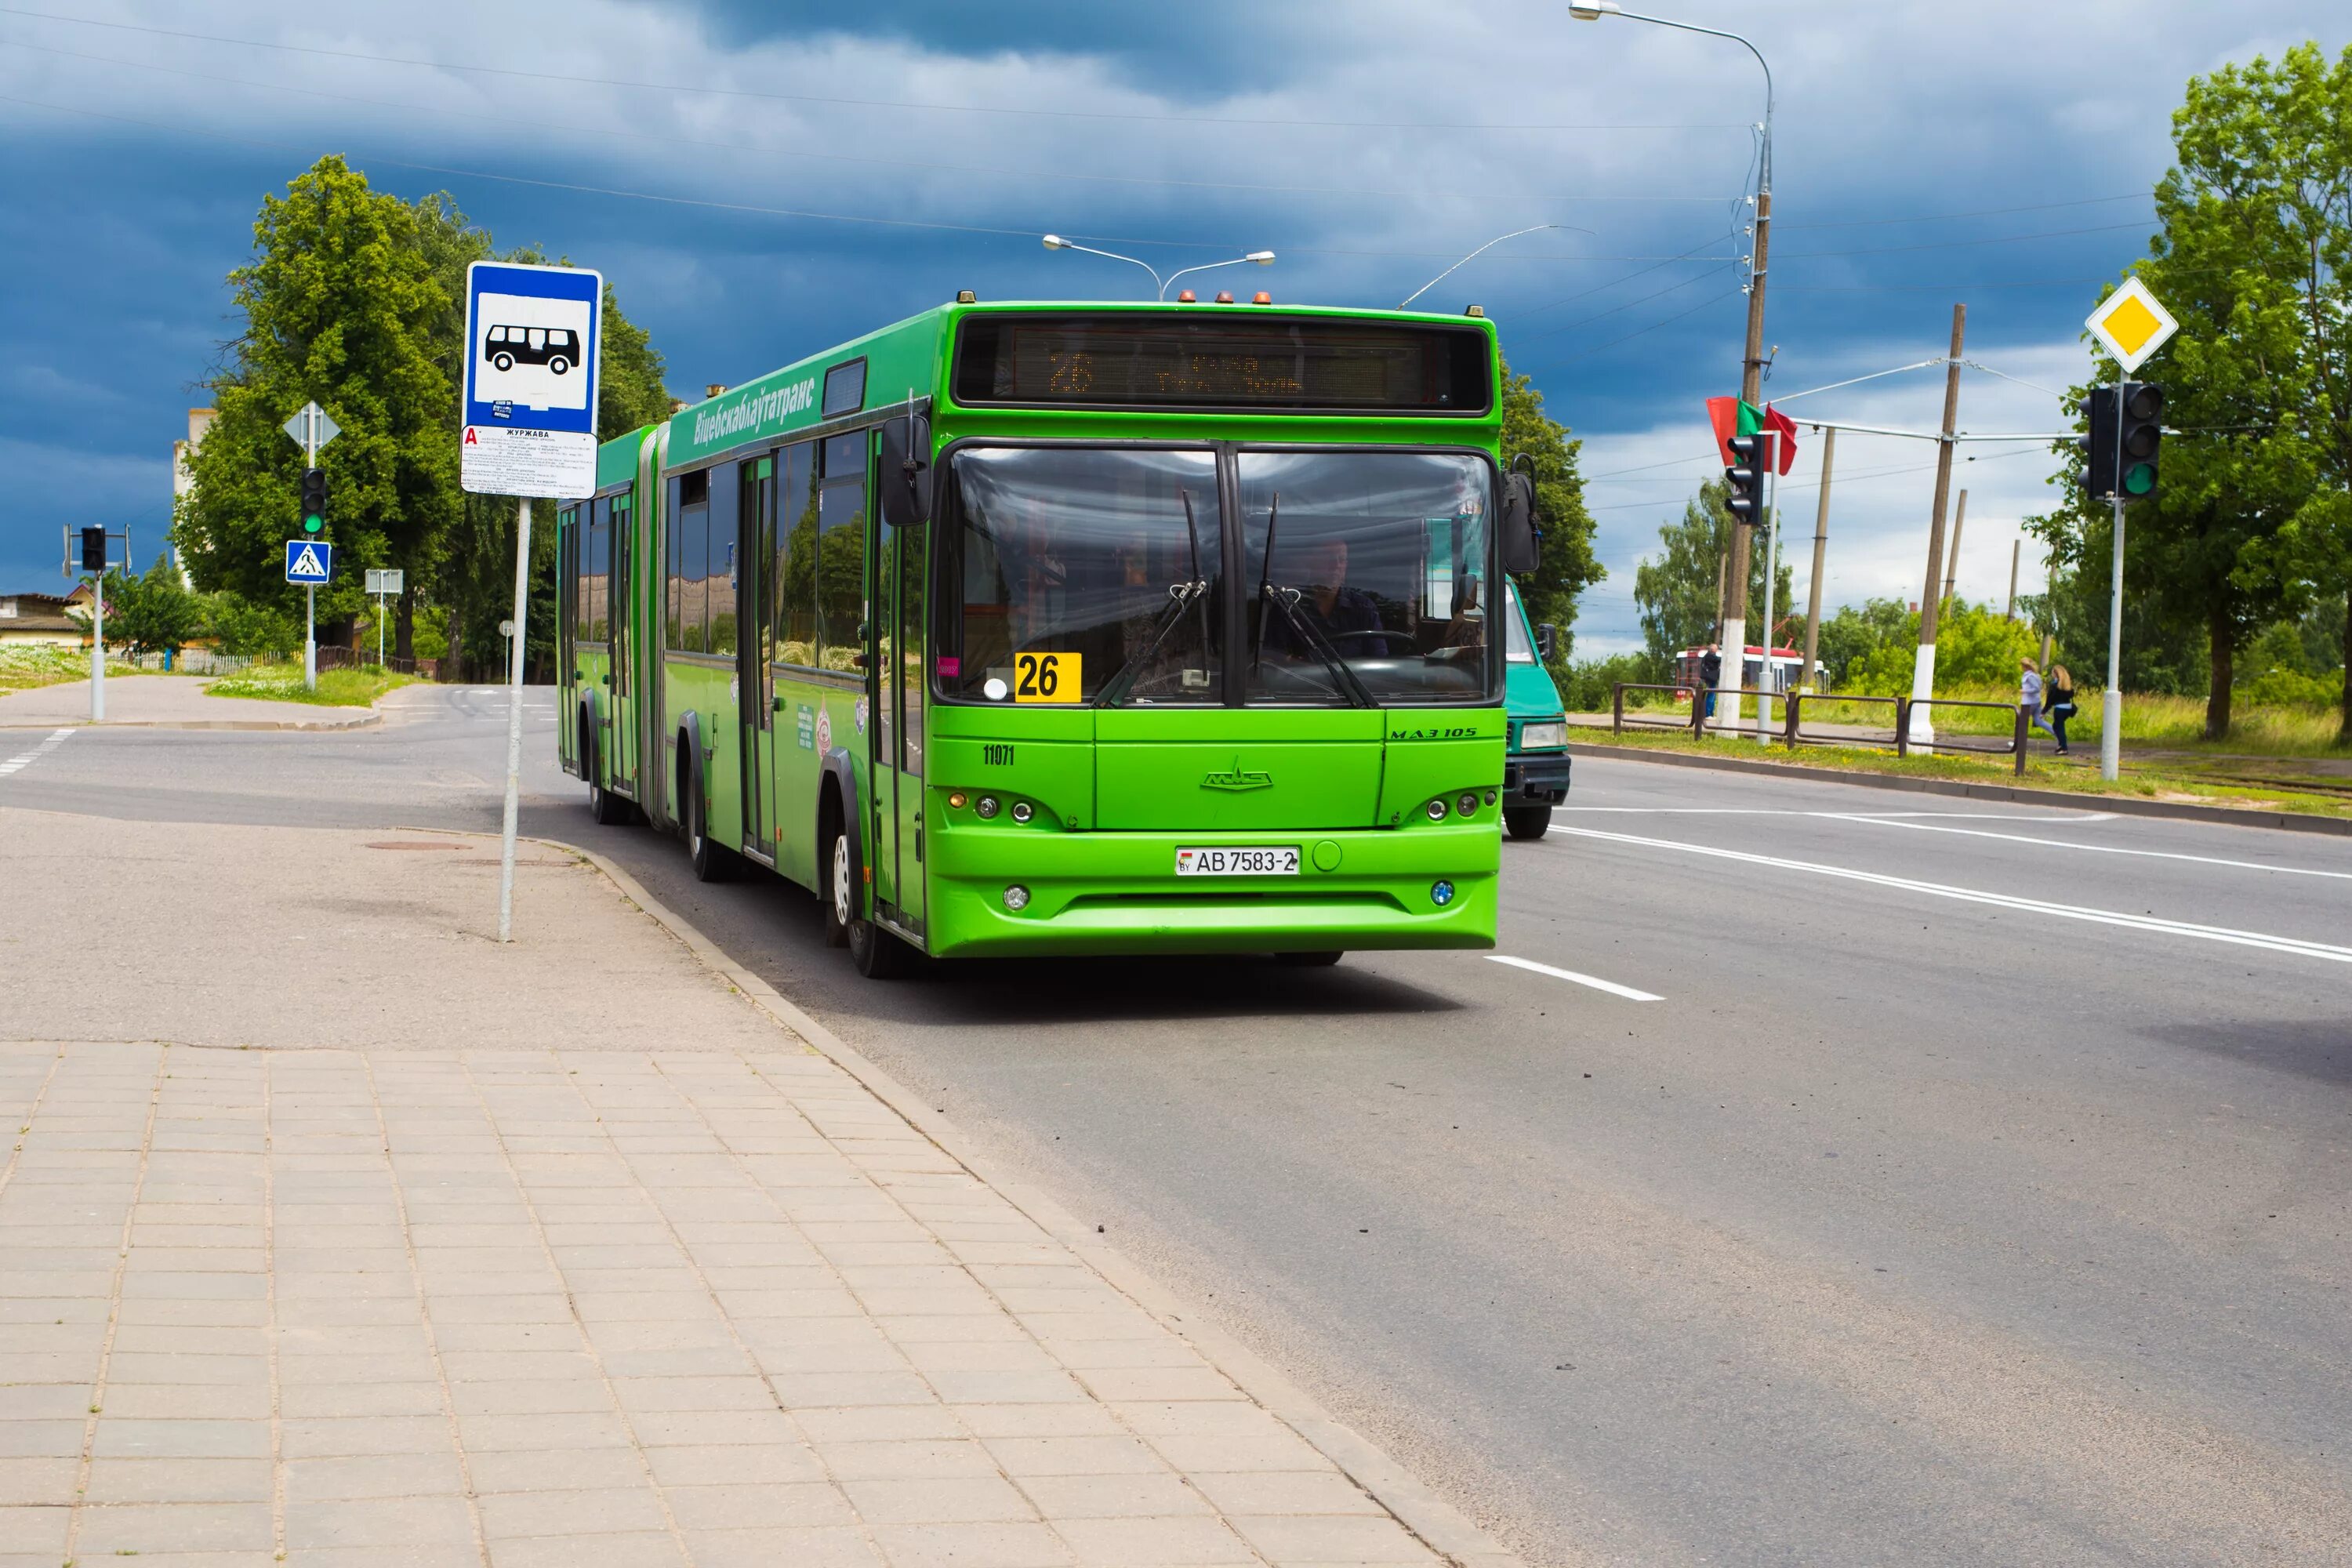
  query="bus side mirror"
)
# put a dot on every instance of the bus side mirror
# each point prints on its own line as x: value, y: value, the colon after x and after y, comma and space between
x: 907, y: 470
x: 1547, y: 641
x: 1521, y: 552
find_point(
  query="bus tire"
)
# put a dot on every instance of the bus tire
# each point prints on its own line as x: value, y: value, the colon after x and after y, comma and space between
x: 712, y: 861
x: 558, y: 365
x: 879, y: 954
x: 1527, y: 822
x: 609, y: 809
x: 1308, y: 960
x: 838, y: 877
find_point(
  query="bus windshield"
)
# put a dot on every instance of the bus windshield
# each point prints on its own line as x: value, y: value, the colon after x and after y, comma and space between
x: 1363, y: 576
x: 1367, y: 575
x: 1112, y: 555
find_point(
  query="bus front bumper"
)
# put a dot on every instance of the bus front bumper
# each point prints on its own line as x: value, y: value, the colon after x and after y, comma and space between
x: 1537, y: 776
x: 1097, y: 893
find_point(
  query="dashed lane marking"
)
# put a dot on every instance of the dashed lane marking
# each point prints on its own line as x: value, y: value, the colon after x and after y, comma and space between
x: 2288, y: 945
x: 27, y: 759
x: 1532, y: 967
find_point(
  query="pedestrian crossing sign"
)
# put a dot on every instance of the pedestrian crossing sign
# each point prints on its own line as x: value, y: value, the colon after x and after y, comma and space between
x: 310, y: 561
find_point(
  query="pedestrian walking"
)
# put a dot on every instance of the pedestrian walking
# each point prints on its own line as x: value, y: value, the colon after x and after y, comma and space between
x: 2058, y: 697
x: 2029, y: 696
x: 1710, y: 670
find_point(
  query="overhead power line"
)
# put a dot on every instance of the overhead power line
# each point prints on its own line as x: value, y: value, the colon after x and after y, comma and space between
x: 925, y: 164
x: 374, y: 57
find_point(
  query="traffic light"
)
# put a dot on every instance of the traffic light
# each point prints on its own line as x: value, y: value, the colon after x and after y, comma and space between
x: 2125, y: 425
x: 314, y: 499
x: 2143, y: 429
x: 1744, y: 479
x: 93, y: 550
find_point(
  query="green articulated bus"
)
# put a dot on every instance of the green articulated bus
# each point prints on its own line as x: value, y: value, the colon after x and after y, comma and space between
x: 1070, y: 629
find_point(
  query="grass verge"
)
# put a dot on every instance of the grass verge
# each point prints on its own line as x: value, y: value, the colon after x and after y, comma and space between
x: 23, y: 666
x: 2155, y: 779
x: 283, y: 683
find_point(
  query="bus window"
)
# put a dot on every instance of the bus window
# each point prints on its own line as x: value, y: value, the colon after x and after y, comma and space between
x: 726, y: 500
x: 841, y: 551
x: 796, y: 518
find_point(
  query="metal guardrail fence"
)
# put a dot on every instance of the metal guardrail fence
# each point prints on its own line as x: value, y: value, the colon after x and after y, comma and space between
x: 1790, y: 731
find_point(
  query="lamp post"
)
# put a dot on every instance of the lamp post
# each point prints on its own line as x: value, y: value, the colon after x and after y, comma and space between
x: 1160, y: 284
x: 1751, y: 365
x: 1531, y: 228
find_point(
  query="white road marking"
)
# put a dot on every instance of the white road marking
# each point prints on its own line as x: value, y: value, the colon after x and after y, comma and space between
x: 24, y: 759
x: 2110, y: 849
x: 1833, y: 815
x: 1611, y: 986
x: 2296, y: 945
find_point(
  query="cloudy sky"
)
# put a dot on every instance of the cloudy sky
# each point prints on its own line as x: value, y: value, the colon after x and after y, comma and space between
x: 761, y: 179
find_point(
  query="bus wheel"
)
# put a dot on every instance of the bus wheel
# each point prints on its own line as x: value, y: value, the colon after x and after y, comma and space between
x: 609, y: 809
x: 503, y: 360
x: 1308, y: 960
x: 839, y: 908
x: 877, y: 954
x: 1527, y: 821
x: 713, y: 862
x: 558, y: 365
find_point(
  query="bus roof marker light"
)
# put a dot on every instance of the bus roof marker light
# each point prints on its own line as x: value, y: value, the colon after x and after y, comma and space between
x: 1261, y: 298
x: 1186, y: 296
x: 966, y: 297
x: 1478, y: 311
x: 1224, y: 296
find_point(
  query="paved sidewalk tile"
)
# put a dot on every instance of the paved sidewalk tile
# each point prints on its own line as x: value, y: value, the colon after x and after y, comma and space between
x: 669, y: 1289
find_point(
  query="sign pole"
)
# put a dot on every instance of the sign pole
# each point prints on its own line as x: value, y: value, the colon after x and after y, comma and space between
x: 98, y: 649
x: 310, y: 596
x: 514, y: 724
x: 2111, y: 705
x: 1771, y: 568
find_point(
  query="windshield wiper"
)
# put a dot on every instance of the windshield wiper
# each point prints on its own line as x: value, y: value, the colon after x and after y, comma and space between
x: 1183, y: 596
x: 1332, y: 658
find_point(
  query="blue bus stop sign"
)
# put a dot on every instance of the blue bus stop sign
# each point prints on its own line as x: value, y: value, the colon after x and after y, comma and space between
x: 311, y: 562
x: 533, y: 358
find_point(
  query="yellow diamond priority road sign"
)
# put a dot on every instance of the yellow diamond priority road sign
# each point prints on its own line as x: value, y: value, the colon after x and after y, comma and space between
x: 2131, y: 325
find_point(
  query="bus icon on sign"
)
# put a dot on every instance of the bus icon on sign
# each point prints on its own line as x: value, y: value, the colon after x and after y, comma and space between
x: 557, y: 348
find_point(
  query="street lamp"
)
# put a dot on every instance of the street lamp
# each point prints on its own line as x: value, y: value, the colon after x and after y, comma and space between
x: 1498, y: 239
x: 1255, y: 258
x: 1751, y: 365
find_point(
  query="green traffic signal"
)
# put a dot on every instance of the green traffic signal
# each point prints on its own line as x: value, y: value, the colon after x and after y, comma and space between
x: 312, y: 524
x: 2140, y: 479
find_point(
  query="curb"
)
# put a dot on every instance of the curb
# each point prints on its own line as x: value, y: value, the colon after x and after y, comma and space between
x: 2121, y: 804
x: 1441, y: 1527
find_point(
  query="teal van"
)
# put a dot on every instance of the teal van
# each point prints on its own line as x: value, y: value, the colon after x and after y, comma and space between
x: 1535, y: 775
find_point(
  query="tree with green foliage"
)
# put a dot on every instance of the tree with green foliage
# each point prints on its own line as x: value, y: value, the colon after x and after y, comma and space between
x: 2256, y: 235
x: 1568, y: 565
x: 154, y: 614
x: 1678, y: 590
x: 340, y: 305
x: 1976, y: 645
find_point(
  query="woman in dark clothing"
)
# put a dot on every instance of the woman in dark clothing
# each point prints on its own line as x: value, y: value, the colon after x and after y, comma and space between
x: 2058, y: 702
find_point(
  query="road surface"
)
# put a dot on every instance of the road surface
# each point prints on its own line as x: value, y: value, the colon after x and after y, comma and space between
x: 1922, y: 1180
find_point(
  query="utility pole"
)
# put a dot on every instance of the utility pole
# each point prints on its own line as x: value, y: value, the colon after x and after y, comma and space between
x: 2015, y: 546
x: 1820, y: 547
x: 1923, y: 671
x: 1952, y: 556
x: 1771, y: 581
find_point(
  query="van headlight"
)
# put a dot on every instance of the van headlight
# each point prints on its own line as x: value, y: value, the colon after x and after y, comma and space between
x: 1535, y: 737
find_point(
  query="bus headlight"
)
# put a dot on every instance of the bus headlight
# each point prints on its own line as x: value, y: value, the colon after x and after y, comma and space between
x: 1467, y: 804
x: 1535, y: 737
x: 1437, y: 811
x: 1440, y: 893
x: 1023, y: 811
x: 985, y: 805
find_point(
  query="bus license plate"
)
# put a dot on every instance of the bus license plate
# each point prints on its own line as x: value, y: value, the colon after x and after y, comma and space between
x: 1280, y: 861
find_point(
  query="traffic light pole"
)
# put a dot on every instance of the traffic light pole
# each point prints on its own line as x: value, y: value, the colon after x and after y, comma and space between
x: 2111, y: 705
x: 98, y: 649
x: 1771, y: 570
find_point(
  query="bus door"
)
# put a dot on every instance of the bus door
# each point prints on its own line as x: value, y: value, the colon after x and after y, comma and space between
x: 896, y: 689
x: 756, y: 656
x: 621, y: 666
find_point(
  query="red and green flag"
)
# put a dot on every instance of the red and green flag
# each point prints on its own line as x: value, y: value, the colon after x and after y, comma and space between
x: 1736, y: 416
